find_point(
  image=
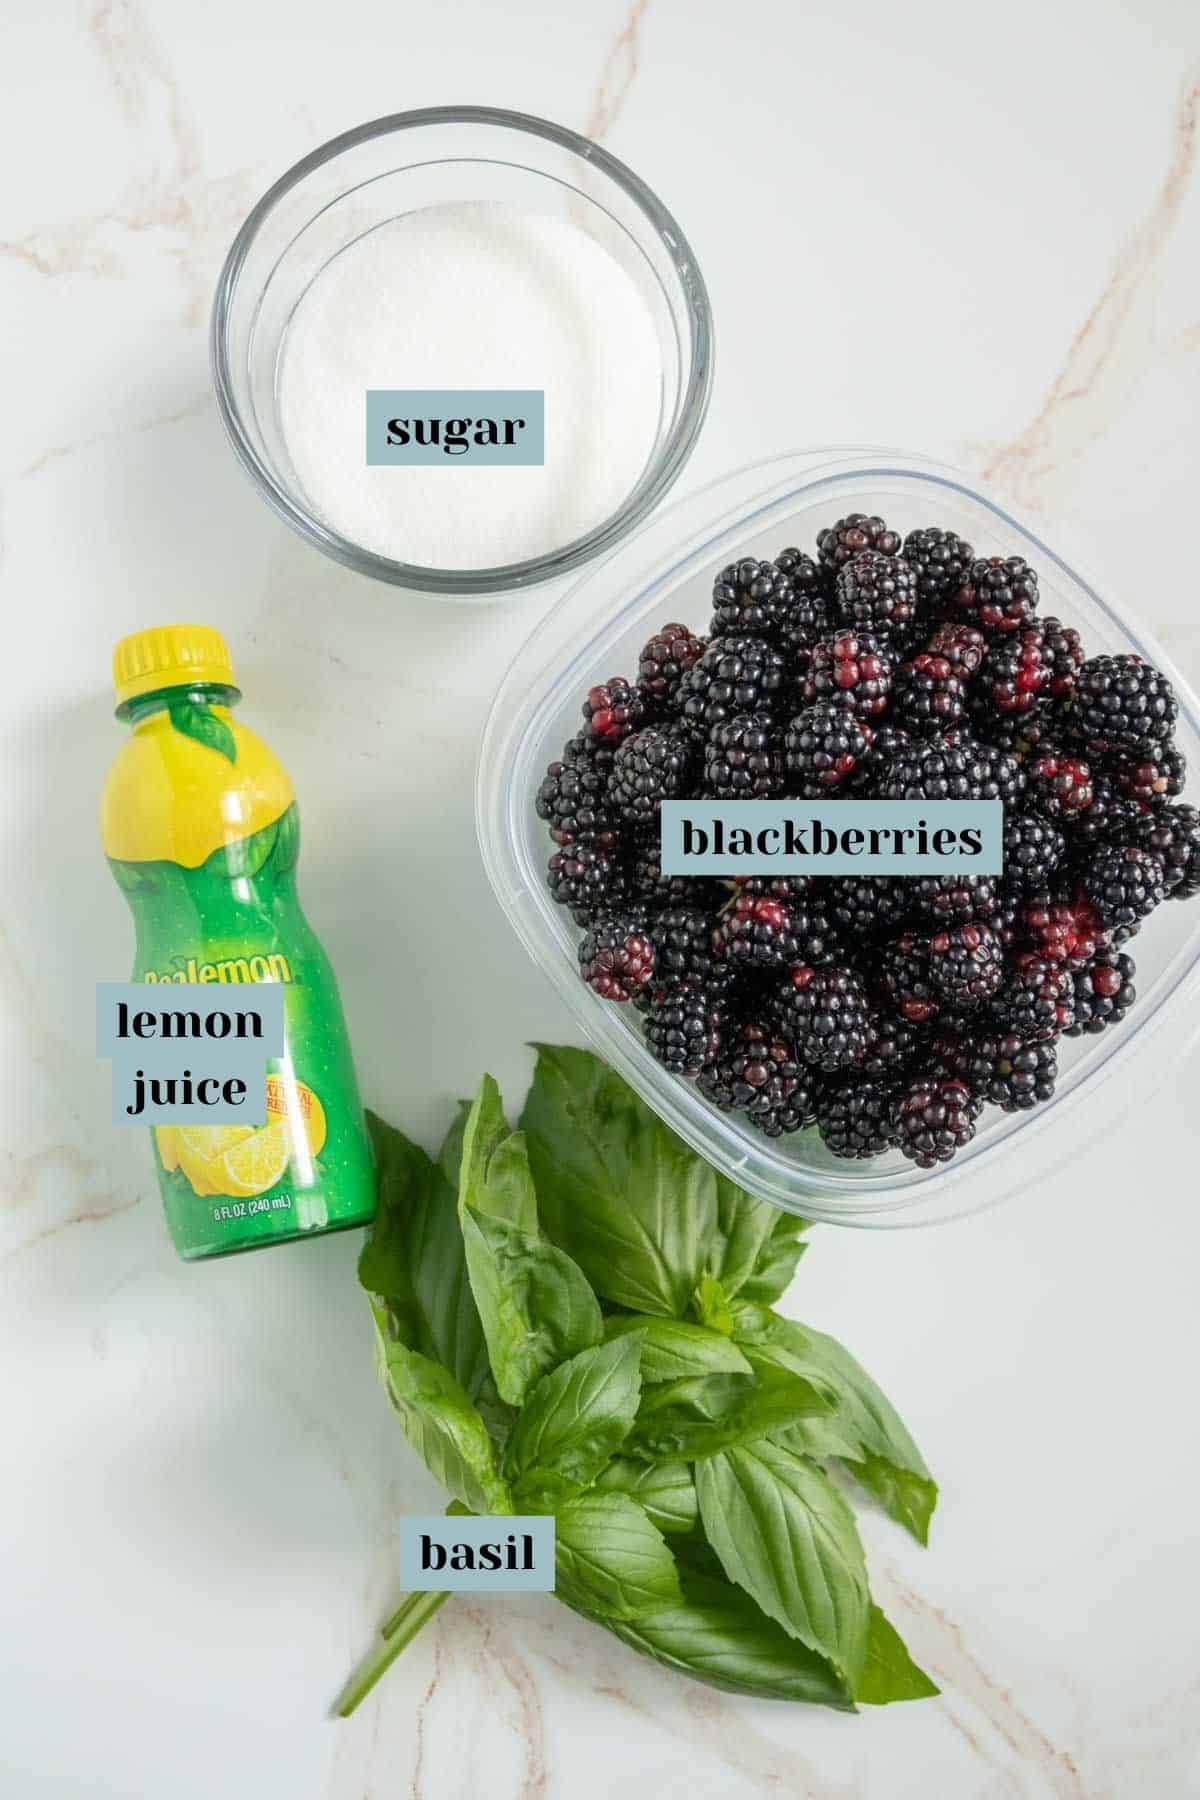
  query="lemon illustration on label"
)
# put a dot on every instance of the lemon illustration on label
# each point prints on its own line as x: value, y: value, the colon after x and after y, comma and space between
x: 242, y: 1160
x: 255, y: 1164
x: 198, y: 1149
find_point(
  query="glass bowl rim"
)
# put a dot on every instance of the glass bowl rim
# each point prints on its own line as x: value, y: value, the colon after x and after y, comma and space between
x: 669, y: 461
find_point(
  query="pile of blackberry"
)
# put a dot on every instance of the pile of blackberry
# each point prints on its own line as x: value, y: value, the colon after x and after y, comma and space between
x: 886, y: 1012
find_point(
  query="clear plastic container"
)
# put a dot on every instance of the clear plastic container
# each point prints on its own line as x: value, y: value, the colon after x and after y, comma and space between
x: 665, y: 573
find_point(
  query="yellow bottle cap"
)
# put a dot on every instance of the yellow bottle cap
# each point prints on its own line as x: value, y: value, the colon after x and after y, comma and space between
x: 170, y: 656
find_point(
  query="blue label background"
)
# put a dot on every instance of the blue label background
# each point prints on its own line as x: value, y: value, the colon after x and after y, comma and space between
x: 448, y: 1531
x: 984, y: 816
x: 528, y: 451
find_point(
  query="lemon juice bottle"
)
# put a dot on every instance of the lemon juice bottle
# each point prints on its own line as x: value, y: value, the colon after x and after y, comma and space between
x: 200, y: 829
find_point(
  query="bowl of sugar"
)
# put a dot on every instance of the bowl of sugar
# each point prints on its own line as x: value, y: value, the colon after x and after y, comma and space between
x: 461, y: 350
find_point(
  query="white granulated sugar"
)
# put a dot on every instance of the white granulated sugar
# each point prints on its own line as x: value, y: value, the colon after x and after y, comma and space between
x: 472, y: 296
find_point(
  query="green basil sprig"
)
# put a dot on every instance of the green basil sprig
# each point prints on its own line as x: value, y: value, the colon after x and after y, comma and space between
x: 576, y: 1318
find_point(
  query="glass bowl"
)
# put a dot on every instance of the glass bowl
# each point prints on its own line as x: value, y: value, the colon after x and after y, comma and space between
x: 666, y: 573
x: 443, y: 155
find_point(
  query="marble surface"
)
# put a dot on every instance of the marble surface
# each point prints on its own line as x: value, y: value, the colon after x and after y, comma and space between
x: 974, y: 234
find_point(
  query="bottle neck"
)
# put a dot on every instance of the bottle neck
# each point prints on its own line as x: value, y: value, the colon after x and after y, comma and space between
x: 199, y: 693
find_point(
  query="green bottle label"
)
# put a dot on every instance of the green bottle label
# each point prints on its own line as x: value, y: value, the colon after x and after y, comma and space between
x: 237, y: 919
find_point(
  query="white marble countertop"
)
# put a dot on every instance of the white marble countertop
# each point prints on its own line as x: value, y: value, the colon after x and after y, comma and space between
x: 977, y: 236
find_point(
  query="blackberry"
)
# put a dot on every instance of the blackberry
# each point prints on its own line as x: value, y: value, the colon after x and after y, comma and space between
x: 963, y: 646
x: 886, y: 744
x: 1021, y: 734
x: 857, y: 1118
x: 812, y: 928
x: 1036, y: 999
x: 1058, y: 785
x: 751, y: 598
x: 822, y: 747
x: 1150, y: 776
x: 734, y: 675
x: 851, y: 669
x: 826, y: 1014
x: 1121, y: 703
x: 588, y: 879
x: 808, y: 613
x: 665, y: 661
x: 876, y: 593
x: 1111, y: 818
x: 1004, y: 1070
x: 998, y: 774
x: 940, y: 560
x: 894, y: 1046
x: 1016, y: 670
x: 998, y: 593
x: 682, y: 938
x: 1104, y: 992
x: 1034, y: 848
x: 756, y: 929
x: 616, y: 956
x: 906, y: 979
x: 930, y: 693
x: 776, y: 887
x: 744, y: 758
x: 1062, y: 649
x: 1124, y: 884
x: 651, y: 766
x: 571, y: 796
x: 683, y: 1025
x: 851, y: 536
x: 1062, y: 931
x: 1172, y: 833
x: 613, y: 709
x: 966, y: 964
x: 935, y: 1119
x: 864, y: 906
x: 648, y: 883
x: 758, y: 1075
x: 941, y: 770
x: 951, y: 899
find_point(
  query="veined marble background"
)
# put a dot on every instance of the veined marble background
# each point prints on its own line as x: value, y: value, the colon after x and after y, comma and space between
x: 974, y: 232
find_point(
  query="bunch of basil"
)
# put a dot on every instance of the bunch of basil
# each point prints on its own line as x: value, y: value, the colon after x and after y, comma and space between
x: 575, y: 1318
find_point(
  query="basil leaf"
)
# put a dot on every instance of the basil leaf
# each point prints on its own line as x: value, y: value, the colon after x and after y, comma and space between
x: 414, y: 1259
x: 617, y: 1190
x: 889, y: 1672
x: 574, y: 1419
x: 711, y: 1303
x: 776, y: 1261
x: 673, y: 1348
x: 535, y: 1305
x: 494, y: 1175
x: 785, y: 1534
x: 440, y: 1423
x: 699, y: 1417
x: 610, y: 1559
x: 203, y: 724
x: 666, y: 1490
x: 745, y: 1246
x: 717, y: 1634
x: 880, y: 1452
x: 449, y: 1158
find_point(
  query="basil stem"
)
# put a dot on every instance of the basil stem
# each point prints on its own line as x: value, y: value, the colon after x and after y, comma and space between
x: 411, y: 1618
